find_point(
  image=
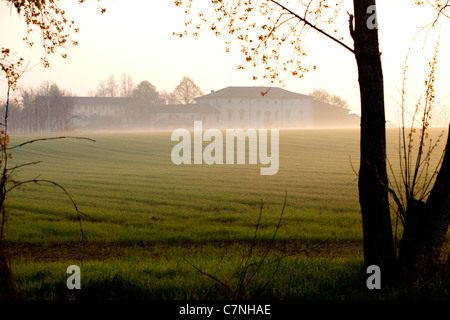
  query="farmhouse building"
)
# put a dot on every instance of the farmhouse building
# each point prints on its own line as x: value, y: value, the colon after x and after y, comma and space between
x: 261, y: 107
x: 231, y: 107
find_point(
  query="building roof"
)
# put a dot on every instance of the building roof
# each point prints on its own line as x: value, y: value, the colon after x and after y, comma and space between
x: 182, y: 108
x: 254, y: 92
x: 100, y: 100
x: 153, y: 108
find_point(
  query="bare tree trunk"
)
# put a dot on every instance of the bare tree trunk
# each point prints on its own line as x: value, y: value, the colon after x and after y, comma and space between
x: 373, y: 192
x: 426, y: 224
x: 438, y: 202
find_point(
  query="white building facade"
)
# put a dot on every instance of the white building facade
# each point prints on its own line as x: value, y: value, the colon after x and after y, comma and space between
x: 261, y: 107
x: 230, y: 107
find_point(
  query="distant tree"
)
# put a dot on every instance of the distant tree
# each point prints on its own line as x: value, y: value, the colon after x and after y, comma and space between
x: 186, y: 91
x: 101, y: 89
x: 323, y: 96
x: 146, y: 93
x: 108, y: 88
x: 126, y: 85
x: 61, y: 109
x: 112, y: 88
x: 167, y: 97
x: 45, y: 109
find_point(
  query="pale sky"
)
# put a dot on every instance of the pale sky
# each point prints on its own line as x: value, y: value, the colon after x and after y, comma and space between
x: 136, y: 37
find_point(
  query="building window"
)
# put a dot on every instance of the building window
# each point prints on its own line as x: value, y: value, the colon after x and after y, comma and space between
x: 258, y: 115
x: 230, y: 114
x: 276, y: 115
x: 288, y: 114
x: 241, y: 114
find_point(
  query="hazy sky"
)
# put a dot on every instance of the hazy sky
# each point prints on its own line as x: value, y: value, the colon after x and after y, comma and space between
x: 136, y: 37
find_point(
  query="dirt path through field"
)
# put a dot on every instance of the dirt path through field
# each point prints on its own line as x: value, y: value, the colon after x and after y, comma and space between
x: 102, y: 251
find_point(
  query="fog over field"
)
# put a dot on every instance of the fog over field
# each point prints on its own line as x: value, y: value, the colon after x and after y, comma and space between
x: 224, y: 150
x: 143, y: 47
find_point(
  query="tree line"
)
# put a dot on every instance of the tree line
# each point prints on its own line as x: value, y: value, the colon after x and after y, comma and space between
x: 184, y: 93
x: 49, y: 108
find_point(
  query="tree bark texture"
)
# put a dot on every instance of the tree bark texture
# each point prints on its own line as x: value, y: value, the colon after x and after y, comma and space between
x: 373, y: 182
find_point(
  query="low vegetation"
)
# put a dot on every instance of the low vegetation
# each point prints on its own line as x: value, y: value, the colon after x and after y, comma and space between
x: 154, y: 230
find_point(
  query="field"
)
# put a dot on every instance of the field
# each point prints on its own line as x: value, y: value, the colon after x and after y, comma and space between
x: 153, y: 230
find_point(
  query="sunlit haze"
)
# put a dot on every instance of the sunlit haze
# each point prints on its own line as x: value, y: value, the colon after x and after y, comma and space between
x: 136, y: 38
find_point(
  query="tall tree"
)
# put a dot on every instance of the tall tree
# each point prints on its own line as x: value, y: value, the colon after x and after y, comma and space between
x: 112, y: 88
x: 126, y: 85
x: 108, y: 88
x: 373, y: 181
x: 279, y: 24
x: 101, y: 91
x: 186, y: 91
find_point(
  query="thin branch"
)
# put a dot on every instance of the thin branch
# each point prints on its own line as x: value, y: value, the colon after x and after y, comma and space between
x: 351, y: 164
x: 313, y: 26
x: 250, y: 251
x: 271, y: 241
x: 23, y: 165
x: 223, y: 284
x: 45, y: 139
x: 37, y: 181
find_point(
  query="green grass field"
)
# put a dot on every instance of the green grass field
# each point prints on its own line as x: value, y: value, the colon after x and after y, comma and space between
x: 147, y: 220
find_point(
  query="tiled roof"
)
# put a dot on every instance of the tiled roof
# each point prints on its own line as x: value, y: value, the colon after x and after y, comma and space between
x: 254, y: 92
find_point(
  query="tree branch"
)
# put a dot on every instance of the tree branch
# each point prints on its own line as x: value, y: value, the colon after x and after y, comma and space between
x: 45, y: 139
x: 313, y: 26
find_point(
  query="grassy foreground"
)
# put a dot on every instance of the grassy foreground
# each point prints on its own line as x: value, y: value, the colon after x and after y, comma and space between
x: 151, y: 226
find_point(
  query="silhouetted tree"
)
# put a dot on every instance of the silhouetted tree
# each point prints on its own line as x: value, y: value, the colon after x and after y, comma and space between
x: 278, y: 24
